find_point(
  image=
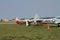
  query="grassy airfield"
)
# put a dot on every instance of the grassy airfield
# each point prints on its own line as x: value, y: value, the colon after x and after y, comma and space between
x: 21, y: 32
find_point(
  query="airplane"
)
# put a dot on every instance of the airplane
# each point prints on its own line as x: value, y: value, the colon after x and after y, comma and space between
x: 36, y: 20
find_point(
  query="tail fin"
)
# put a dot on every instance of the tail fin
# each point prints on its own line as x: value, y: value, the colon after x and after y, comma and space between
x: 17, y: 19
x: 36, y: 17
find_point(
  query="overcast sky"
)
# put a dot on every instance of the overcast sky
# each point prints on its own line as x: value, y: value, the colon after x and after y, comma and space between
x: 28, y: 8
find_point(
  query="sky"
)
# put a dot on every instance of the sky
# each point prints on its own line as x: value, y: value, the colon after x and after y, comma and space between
x: 28, y: 8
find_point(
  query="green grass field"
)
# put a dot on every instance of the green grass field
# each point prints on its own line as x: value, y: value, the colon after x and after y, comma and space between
x: 21, y: 32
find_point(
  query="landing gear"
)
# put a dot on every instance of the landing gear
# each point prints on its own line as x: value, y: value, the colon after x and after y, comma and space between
x: 58, y: 25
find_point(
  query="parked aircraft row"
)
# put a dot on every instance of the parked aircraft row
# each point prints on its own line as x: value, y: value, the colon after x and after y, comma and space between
x: 37, y: 20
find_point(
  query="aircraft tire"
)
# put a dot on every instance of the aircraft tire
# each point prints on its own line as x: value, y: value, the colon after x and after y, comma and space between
x: 58, y: 25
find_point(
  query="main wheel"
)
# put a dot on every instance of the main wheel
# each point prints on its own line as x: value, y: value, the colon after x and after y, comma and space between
x: 58, y: 25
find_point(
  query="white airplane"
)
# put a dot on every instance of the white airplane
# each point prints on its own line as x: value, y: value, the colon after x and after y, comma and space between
x: 55, y: 20
x: 36, y: 20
